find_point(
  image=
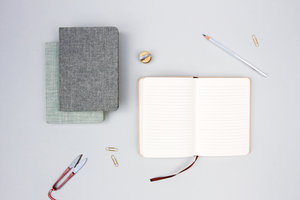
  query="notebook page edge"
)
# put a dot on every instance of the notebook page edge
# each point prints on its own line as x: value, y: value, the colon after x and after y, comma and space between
x: 245, y: 152
x: 140, y: 134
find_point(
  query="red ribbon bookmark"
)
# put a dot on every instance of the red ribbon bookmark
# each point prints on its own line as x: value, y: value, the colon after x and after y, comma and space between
x: 170, y: 176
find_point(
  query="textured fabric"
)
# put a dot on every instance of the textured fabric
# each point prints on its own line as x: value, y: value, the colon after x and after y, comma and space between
x: 89, y: 68
x: 53, y: 115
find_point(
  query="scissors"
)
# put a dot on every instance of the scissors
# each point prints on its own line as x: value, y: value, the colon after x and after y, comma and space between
x: 76, y: 165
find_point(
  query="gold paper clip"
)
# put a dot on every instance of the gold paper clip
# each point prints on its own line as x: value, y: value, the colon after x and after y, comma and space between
x: 114, y: 160
x: 255, y: 40
x: 111, y: 149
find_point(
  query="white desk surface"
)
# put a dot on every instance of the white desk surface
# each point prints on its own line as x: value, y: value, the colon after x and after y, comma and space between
x: 33, y: 154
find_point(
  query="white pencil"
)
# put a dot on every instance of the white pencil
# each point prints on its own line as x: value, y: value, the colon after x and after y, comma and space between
x: 235, y: 55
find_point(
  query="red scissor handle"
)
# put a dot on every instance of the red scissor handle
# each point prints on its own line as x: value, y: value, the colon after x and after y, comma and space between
x: 49, y: 194
x: 55, y: 187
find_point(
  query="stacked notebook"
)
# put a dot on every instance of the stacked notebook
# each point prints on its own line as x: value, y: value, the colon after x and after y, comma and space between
x: 82, y: 75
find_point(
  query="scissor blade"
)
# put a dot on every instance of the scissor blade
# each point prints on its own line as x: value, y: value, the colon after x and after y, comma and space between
x: 79, y: 166
x: 75, y: 162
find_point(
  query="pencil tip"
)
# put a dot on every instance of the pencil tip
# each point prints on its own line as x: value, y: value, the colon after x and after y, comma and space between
x: 204, y: 35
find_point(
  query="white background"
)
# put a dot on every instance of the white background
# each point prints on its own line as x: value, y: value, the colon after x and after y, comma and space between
x: 33, y: 154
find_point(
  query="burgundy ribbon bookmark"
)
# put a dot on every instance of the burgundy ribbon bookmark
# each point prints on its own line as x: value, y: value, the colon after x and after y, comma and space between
x: 170, y: 176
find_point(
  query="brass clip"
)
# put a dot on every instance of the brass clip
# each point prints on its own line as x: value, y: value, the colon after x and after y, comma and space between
x: 111, y: 149
x: 114, y: 160
x: 255, y: 40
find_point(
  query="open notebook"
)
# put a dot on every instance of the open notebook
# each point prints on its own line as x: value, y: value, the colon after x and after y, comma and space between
x: 187, y: 116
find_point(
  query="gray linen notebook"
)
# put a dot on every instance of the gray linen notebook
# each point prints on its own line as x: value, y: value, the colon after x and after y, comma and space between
x: 53, y: 115
x: 89, y: 68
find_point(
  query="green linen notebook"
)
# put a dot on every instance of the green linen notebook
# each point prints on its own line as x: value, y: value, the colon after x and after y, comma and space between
x: 53, y: 115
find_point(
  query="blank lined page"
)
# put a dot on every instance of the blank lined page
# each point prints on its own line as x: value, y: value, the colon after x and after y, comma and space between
x: 167, y: 117
x: 223, y: 116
